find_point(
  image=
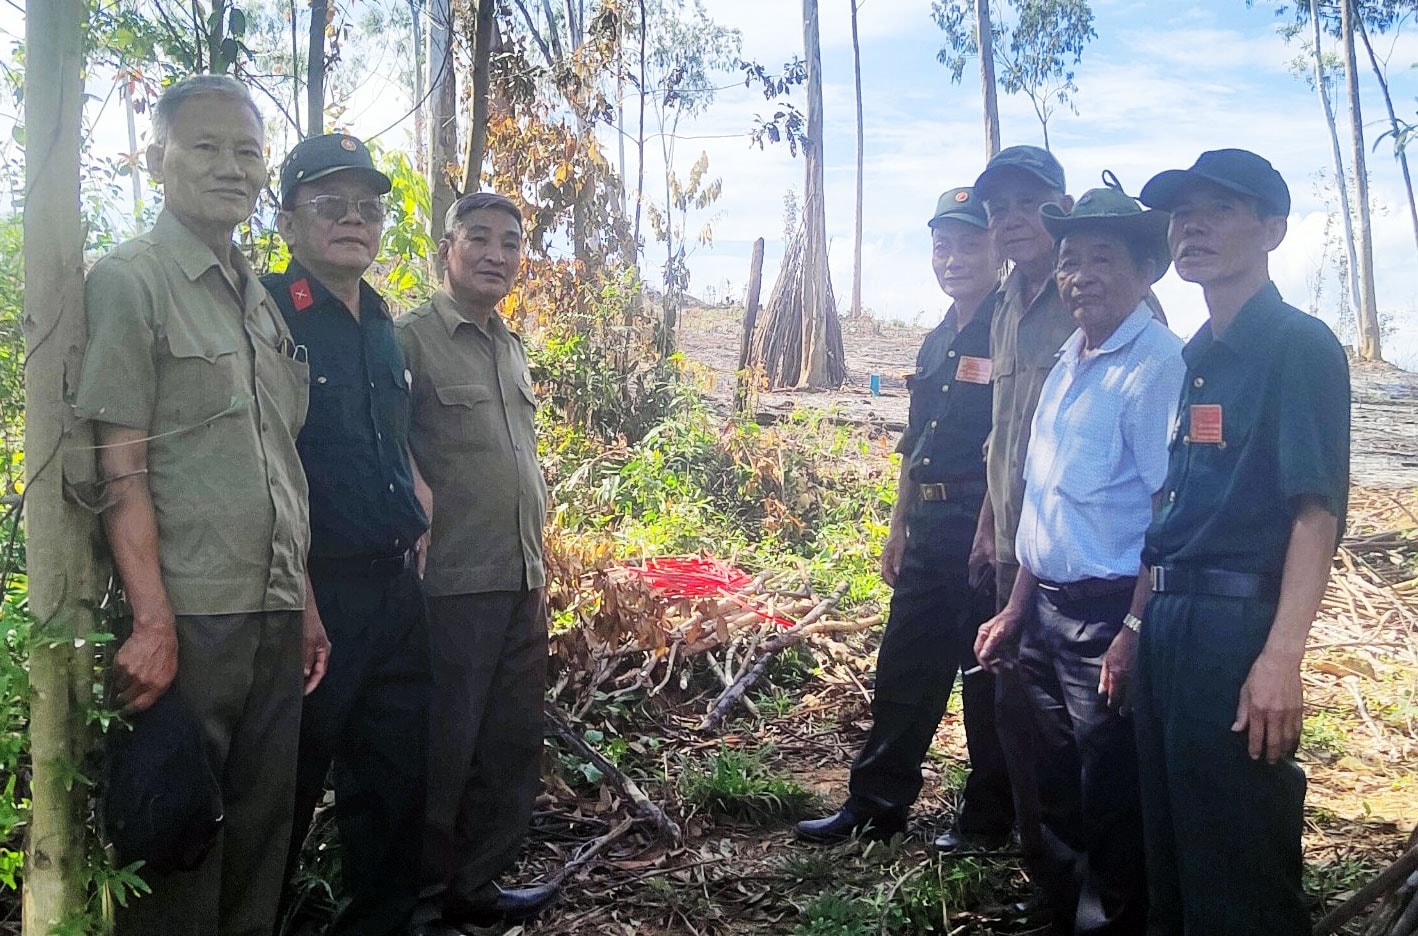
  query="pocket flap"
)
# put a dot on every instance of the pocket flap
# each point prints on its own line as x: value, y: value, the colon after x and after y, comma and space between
x: 186, y: 344
x: 463, y: 394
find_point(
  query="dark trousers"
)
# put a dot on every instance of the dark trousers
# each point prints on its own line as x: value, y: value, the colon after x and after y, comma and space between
x: 1086, y: 764
x: 369, y: 719
x: 930, y: 636
x: 240, y: 677
x: 1223, y: 831
x: 1014, y: 721
x: 489, y: 678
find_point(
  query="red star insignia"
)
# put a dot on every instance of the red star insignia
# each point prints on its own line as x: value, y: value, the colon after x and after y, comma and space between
x: 300, y: 295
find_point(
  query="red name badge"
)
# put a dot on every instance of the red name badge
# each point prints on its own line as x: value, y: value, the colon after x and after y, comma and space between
x: 975, y: 370
x: 1206, y: 424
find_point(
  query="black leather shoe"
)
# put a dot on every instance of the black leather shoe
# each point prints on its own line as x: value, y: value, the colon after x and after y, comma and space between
x: 501, y: 905
x: 845, y: 823
x: 953, y: 840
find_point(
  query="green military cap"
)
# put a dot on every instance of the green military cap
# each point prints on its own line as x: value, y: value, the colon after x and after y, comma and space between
x: 320, y: 156
x: 1111, y: 209
x: 959, y: 204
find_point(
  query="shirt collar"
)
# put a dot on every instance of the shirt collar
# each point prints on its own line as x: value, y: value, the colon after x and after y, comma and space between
x: 192, y: 255
x: 369, y: 298
x: 447, y: 309
x: 1247, y: 330
x: 1125, y: 334
x: 1014, y: 288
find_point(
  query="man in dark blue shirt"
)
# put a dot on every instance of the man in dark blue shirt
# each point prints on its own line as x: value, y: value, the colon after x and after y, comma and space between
x: 938, y: 601
x: 1252, y: 510
x: 369, y: 717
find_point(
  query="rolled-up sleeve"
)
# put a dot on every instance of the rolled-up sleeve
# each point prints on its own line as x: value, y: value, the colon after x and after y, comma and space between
x: 119, y: 381
x: 1313, y: 419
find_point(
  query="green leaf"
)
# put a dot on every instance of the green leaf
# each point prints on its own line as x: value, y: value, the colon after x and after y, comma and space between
x: 236, y: 22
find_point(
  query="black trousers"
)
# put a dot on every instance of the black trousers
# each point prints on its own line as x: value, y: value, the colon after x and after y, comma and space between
x: 930, y: 636
x: 1223, y: 831
x: 1014, y: 721
x: 368, y: 719
x: 1086, y: 765
x: 489, y: 664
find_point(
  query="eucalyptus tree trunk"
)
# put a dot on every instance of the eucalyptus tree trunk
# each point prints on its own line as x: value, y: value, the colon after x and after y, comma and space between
x: 315, y: 68
x: 477, y: 133
x: 1369, y: 348
x: 989, y: 91
x: 815, y: 311
x: 857, y: 231
x: 443, y: 121
x: 1400, y: 152
x: 1341, y: 180
x: 60, y: 538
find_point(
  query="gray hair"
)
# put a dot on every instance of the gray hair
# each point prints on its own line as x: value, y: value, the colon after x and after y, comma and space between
x: 477, y: 201
x: 175, y: 95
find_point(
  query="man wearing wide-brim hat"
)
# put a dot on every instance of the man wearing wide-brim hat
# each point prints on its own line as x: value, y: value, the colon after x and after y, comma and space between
x: 1252, y: 511
x: 1096, y: 462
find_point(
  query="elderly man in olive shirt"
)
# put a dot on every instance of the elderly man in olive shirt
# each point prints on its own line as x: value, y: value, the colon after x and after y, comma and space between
x: 198, y: 393
x: 473, y: 439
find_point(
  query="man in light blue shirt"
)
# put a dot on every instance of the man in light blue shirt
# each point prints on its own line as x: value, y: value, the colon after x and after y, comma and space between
x: 1097, y: 457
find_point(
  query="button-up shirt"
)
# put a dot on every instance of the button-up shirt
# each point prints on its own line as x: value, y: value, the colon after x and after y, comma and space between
x: 1098, y: 452
x: 207, y: 368
x: 1263, y: 422
x: 950, y: 400
x: 354, y: 444
x: 475, y: 443
x: 1026, y: 334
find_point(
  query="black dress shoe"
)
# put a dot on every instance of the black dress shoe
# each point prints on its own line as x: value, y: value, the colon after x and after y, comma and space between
x: 847, y: 822
x: 500, y: 905
x: 953, y: 840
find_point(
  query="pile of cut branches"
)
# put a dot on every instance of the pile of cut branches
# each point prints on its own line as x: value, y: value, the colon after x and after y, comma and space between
x: 777, y: 349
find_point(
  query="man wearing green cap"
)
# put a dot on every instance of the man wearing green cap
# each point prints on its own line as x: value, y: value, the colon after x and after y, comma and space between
x: 1097, y: 457
x: 197, y: 393
x: 935, y: 608
x: 1252, y: 511
x: 369, y: 717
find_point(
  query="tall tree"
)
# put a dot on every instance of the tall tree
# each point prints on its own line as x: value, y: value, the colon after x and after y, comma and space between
x: 1400, y: 152
x: 988, y: 91
x: 60, y: 537
x: 1370, y: 347
x: 1035, y: 53
x: 815, y: 293
x: 861, y: 142
x: 484, y: 25
x: 315, y: 68
x: 443, y: 119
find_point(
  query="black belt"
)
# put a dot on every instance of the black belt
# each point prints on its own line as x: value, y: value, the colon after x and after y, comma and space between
x: 358, y: 567
x: 1218, y: 583
x: 938, y: 491
x: 1089, y: 589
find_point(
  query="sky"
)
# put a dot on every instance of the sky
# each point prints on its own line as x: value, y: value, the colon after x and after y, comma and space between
x: 1162, y: 82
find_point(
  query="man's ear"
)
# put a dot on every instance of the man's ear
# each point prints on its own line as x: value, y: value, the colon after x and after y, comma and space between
x: 285, y: 224
x: 154, y: 157
x: 1275, y: 228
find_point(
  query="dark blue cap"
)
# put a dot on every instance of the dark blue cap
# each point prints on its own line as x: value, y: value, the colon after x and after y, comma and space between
x: 1033, y: 160
x: 1238, y: 170
x: 320, y: 156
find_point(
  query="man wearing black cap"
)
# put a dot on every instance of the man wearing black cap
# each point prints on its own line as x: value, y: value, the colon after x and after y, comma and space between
x: 935, y: 608
x: 369, y: 717
x: 1252, y: 511
x: 1030, y: 326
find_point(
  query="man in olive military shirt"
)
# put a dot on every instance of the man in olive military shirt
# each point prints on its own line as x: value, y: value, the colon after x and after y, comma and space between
x: 474, y: 441
x: 935, y: 609
x: 1251, y: 513
x: 1029, y: 328
x: 198, y: 394
x: 370, y: 715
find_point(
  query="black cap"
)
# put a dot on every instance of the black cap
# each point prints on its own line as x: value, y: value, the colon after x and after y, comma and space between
x: 1235, y: 169
x: 959, y: 204
x: 325, y: 155
x: 1037, y: 162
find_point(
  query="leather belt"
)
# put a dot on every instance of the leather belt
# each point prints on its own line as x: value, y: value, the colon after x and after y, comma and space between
x: 359, y: 567
x: 1217, y: 583
x: 939, y: 491
x: 1089, y: 589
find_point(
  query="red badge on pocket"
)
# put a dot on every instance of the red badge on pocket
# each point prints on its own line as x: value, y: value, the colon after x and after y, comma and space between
x: 975, y: 370
x: 1206, y: 426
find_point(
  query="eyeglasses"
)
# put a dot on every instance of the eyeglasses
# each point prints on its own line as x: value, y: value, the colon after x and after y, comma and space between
x: 337, y: 207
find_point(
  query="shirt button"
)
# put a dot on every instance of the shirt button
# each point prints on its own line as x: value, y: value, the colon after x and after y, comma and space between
x: 391, y: 489
x: 950, y: 354
x: 1198, y: 383
x: 926, y: 460
x: 320, y: 379
x: 1172, y: 497
x: 933, y: 423
x: 379, y: 435
x: 1186, y: 440
x: 944, y: 388
x: 371, y: 385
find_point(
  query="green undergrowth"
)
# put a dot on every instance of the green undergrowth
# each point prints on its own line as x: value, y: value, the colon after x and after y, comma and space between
x: 738, y: 783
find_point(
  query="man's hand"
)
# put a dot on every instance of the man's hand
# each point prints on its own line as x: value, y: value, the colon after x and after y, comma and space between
x: 891, y: 554
x: 315, y: 653
x: 982, y: 558
x: 995, y: 643
x: 421, y: 552
x: 1271, y: 707
x: 145, y: 665
x: 1116, y: 679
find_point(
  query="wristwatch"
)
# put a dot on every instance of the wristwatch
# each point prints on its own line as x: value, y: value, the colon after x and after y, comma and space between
x: 1132, y: 622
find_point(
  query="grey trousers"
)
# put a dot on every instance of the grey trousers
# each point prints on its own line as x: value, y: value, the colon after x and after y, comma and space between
x: 240, y: 676
x: 489, y: 655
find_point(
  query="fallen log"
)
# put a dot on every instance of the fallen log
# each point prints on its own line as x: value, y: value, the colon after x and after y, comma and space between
x: 651, y: 814
x: 1390, y: 878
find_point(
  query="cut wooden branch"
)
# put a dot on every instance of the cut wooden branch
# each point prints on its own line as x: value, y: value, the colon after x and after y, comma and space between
x: 648, y: 812
x: 589, y: 851
x: 730, y: 698
x: 1390, y: 878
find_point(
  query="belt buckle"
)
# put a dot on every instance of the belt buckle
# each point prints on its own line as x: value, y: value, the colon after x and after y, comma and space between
x: 1159, y: 579
x: 933, y: 492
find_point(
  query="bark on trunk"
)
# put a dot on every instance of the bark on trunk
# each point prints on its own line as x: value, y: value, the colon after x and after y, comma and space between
x: 1341, y: 179
x: 816, y: 311
x: 1368, y: 318
x: 989, y: 91
x: 315, y: 68
x: 482, y: 57
x: 443, y: 148
x: 861, y: 142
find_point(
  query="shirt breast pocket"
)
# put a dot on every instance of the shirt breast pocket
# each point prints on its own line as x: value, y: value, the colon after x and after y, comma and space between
x: 392, y: 402
x: 469, y: 416
x: 202, y: 380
